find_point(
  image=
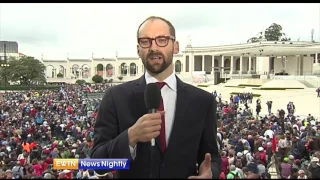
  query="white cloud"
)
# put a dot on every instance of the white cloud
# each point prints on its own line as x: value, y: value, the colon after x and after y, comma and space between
x: 82, y: 29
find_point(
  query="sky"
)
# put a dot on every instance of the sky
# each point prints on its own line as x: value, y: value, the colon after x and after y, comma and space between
x: 77, y: 31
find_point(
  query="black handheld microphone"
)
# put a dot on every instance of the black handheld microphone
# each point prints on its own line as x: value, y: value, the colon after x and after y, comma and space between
x: 152, y: 98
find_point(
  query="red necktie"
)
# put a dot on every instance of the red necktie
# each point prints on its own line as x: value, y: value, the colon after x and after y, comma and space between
x: 163, y: 125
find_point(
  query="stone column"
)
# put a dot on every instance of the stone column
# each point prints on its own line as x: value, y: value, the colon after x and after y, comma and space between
x: 249, y: 72
x: 137, y: 70
x: 212, y: 68
x: 231, y: 65
x: 191, y: 63
x: 129, y: 70
x: 241, y: 68
x: 80, y: 73
x: 222, y: 65
x: 55, y: 73
x: 203, y: 63
x: 182, y: 68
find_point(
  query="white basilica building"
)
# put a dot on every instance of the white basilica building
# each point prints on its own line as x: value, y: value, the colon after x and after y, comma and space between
x: 228, y: 61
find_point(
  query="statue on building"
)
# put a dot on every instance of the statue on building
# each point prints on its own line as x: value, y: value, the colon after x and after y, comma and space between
x: 189, y: 41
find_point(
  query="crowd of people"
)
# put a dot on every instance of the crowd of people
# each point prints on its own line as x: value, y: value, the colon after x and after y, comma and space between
x: 277, y: 145
x: 242, y: 98
x: 38, y: 126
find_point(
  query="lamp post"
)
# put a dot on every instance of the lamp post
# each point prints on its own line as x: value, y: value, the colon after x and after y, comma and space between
x: 4, y: 64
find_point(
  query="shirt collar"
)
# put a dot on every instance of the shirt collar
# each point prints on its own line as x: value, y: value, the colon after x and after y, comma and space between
x: 171, y: 81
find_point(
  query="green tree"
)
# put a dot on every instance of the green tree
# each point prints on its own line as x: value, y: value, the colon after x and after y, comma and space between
x: 26, y: 68
x: 3, y: 74
x: 80, y: 81
x: 60, y: 75
x: 272, y: 33
x: 97, y: 79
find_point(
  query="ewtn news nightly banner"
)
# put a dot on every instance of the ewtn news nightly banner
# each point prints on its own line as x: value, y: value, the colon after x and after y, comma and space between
x: 94, y: 164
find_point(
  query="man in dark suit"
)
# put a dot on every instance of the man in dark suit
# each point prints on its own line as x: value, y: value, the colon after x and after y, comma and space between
x: 184, y: 128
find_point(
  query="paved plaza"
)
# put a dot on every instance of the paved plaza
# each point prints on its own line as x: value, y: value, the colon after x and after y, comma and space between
x: 305, y: 100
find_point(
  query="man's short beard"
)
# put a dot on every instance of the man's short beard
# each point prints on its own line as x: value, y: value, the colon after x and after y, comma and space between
x: 152, y: 70
x: 165, y: 64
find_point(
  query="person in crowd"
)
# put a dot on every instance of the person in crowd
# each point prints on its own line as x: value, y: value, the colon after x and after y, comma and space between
x: 233, y: 173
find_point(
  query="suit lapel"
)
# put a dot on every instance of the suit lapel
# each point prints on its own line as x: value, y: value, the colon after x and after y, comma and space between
x: 138, y: 90
x: 181, y: 108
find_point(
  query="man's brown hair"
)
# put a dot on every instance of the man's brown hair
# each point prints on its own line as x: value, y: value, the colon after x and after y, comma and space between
x: 171, y: 28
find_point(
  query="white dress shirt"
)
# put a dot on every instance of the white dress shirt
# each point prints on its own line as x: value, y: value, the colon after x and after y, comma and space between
x: 169, y: 96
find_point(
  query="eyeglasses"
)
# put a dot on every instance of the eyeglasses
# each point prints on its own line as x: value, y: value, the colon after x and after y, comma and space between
x: 161, y: 41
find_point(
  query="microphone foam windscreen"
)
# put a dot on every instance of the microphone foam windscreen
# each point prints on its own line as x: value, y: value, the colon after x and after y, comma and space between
x: 152, y: 96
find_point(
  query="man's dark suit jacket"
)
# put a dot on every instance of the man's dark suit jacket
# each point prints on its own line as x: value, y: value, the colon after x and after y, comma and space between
x: 193, y: 133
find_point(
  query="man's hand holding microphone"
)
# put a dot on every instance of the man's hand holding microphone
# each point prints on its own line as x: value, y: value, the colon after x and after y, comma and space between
x: 145, y: 129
